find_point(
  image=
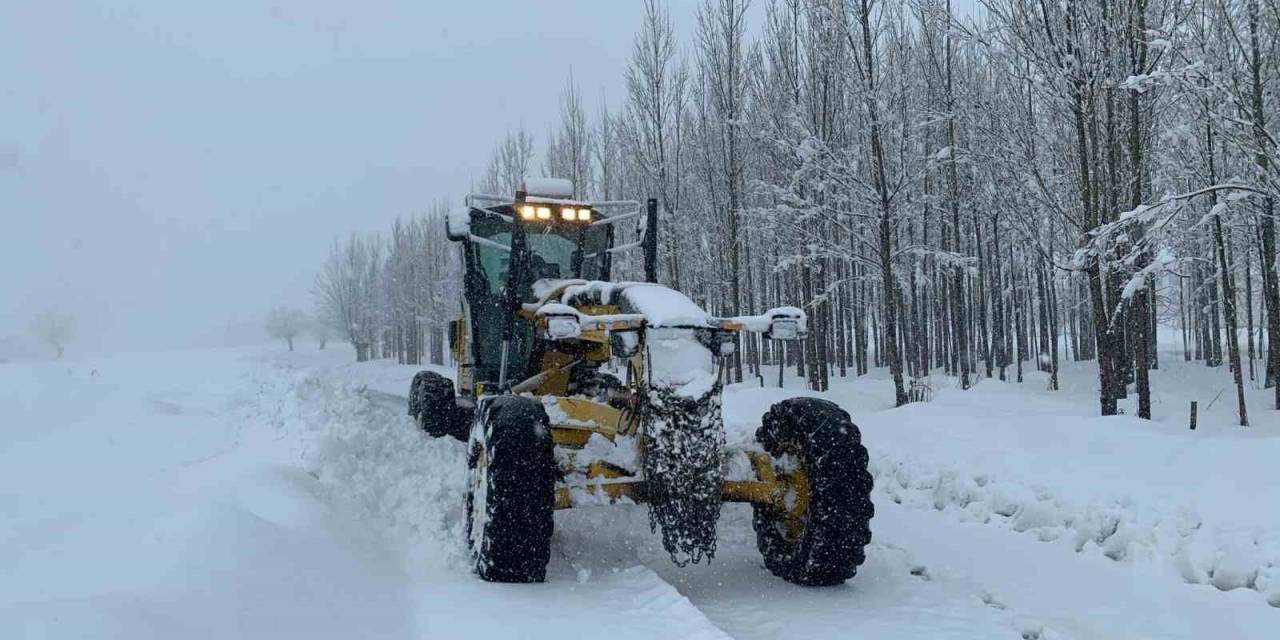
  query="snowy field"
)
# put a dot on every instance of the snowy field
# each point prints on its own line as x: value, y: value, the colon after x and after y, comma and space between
x: 255, y: 493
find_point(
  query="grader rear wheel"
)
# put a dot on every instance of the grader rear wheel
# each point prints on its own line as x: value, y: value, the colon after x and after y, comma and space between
x: 817, y: 539
x: 433, y: 404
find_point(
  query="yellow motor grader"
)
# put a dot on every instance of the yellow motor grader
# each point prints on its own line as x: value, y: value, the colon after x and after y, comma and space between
x: 575, y: 391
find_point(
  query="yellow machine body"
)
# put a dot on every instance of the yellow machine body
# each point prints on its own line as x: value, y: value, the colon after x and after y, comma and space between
x: 574, y: 420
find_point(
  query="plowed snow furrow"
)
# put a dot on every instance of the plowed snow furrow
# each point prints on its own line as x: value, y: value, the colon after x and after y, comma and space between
x: 374, y: 461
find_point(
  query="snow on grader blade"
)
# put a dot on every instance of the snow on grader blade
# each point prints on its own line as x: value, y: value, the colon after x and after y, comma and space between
x: 577, y: 391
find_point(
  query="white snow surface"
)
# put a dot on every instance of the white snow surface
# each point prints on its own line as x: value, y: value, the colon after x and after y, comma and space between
x: 255, y: 493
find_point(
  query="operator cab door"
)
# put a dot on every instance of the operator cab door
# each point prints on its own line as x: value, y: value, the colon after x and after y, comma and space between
x: 555, y: 252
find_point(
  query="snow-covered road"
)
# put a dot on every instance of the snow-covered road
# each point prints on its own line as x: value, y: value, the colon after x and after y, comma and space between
x: 253, y: 493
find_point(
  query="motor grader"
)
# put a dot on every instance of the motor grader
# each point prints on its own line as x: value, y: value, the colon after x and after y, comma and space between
x: 575, y: 391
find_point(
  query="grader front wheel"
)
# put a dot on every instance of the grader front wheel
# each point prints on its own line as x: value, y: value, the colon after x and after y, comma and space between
x: 815, y: 537
x: 512, y: 491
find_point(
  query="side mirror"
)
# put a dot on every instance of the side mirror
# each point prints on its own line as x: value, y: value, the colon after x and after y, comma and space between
x: 561, y: 322
x: 786, y: 323
x: 624, y: 344
x: 783, y: 329
x: 457, y: 225
x: 563, y: 327
x: 717, y: 341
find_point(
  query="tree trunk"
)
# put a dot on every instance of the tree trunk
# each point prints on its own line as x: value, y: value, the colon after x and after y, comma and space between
x: 1271, y: 289
x: 1228, y: 290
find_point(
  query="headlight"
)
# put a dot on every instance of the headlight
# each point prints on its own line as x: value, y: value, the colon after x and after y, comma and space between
x: 527, y: 212
x: 544, y: 213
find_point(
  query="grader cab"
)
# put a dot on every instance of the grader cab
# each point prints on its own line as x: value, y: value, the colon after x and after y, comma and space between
x: 575, y: 391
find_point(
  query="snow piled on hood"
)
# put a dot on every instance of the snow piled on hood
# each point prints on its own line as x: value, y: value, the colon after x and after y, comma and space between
x: 664, y: 307
x: 661, y: 306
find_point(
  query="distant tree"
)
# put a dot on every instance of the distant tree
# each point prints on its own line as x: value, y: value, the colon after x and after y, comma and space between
x: 54, y: 328
x: 509, y: 164
x: 569, y: 153
x: 321, y: 329
x: 286, y: 323
x: 347, y: 291
x: 9, y: 348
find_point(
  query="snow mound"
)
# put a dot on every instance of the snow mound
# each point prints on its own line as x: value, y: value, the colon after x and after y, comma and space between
x: 367, y: 453
x: 1200, y: 552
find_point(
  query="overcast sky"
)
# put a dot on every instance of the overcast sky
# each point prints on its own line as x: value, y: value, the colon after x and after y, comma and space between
x: 169, y: 168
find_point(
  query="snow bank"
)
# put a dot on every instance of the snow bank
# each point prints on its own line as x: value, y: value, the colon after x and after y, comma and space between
x: 150, y: 507
x: 368, y: 454
x: 1222, y: 555
x: 1197, y: 507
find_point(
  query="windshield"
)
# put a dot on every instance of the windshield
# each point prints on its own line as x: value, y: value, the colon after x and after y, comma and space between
x: 553, y: 253
x: 552, y: 257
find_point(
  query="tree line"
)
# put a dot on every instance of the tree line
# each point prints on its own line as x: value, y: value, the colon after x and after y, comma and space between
x: 393, y: 296
x: 981, y: 195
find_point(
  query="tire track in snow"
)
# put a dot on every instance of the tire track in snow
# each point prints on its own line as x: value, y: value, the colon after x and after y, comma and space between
x: 885, y: 600
x: 646, y: 597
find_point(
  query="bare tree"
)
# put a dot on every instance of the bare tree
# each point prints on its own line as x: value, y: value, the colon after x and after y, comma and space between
x: 656, y: 88
x: 54, y: 328
x: 569, y: 153
x: 720, y: 35
x: 509, y: 164
x: 347, y: 291
x: 286, y: 323
x: 321, y: 329
x: 933, y: 189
